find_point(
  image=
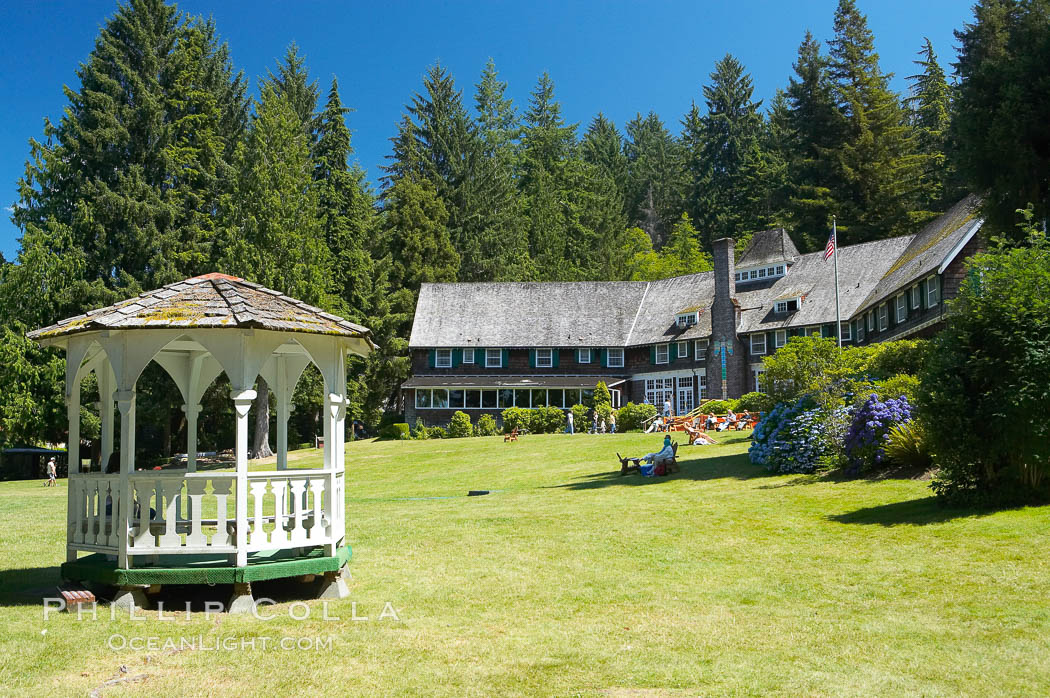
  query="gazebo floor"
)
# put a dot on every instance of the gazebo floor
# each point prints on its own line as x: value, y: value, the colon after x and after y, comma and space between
x: 205, y: 569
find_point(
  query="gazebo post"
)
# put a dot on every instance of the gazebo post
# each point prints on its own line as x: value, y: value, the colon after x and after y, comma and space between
x: 126, y: 405
x: 242, y: 402
x: 105, y: 394
x: 283, y: 400
x: 192, y: 412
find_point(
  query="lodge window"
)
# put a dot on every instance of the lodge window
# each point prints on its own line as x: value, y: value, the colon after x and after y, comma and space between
x: 615, y: 357
x: 488, y: 399
x: 860, y: 331
x: 916, y: 297
x: 780, y: 338
x: 422, y: 398
x: 780, y: 270
x: 468, y: 356
x: 846, y: 331
x: 683, y: 350
x: 583, y: 356
x: 700, y: 350
x: 758, y: 343
x: 757, y: 372
x: 506, y: 398
x: 703, y: 384
x: 788, y: 306
x: 932, y: 292
x: 762, y: 273
x: 443, y: 358
x: 871, y: 321
x: 544, y: 358
x: 658, y: 391
x: 440, y: 400
x: 493, y: 358
x: 662, y: 353
x: 754, y: 273
x: 902, y: 309
x: 473, y: 400
x: 884, y: 317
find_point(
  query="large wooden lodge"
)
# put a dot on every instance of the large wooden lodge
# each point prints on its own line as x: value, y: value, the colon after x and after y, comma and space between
x: 484, y: 347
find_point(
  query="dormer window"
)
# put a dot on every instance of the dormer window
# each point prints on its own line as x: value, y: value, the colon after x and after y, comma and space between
x: 770, y: 272
x: 687, y: 319
x: 789, y: 305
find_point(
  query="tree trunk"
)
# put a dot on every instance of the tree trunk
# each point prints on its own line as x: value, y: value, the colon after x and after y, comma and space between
x: 261, y: 443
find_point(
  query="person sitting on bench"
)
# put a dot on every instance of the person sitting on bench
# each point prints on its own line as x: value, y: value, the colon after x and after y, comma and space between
x: 665, y: 454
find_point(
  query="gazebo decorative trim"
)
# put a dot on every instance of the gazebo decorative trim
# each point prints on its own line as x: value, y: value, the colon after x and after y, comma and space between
x: 196, y: 330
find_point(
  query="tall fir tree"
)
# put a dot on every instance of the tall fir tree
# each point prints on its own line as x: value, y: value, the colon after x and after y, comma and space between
x: 931, y: 106
x: 345, y: 207
x: 1002, y: 108
x: 815, y: 133
x: 292, y: 81
x: 656, y: 180
x: 151, y: 129
x: 878, y: 167
x: 497, y: 119
x: 731, y: 185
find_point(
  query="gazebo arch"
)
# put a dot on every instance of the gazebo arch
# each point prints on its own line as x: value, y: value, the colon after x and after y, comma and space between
x: 196, y: 330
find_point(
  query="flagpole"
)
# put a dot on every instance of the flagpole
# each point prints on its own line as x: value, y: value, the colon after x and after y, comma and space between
x: 835, y: 254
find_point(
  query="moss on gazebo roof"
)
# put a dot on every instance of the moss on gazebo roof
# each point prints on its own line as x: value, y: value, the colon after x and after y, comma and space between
x: 207, y: 301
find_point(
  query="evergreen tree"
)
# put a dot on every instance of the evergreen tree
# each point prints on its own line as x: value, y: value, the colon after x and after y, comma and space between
x: 292, y: 81
x: 731, y: 184
x: 416, y: 235
x: 656, y: 180
x: 345, y: 208
x: 877, y: 164
x: 151, y: 130
x: 1002, y: 109
x: 602, y: 146
x: 547, y: 142
x: 497, y: 120
x: 815, y: 133
x: 931, y: 106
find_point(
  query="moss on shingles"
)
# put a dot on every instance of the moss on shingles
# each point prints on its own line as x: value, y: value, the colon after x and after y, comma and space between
x: 934, y: 239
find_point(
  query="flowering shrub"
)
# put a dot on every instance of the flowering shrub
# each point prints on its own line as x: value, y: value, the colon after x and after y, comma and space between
x: 866, y: 438
x: 797, y: 437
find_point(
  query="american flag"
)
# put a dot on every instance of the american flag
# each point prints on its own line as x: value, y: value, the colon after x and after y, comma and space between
x: 830, y: 249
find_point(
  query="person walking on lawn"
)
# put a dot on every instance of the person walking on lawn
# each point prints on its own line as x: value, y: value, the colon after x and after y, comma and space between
x: 568, y: 422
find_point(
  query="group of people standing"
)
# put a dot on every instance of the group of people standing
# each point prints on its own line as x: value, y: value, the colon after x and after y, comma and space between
x: 598, y: 424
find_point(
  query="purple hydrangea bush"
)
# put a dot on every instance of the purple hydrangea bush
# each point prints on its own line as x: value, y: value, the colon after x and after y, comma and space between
x: 867, y: 434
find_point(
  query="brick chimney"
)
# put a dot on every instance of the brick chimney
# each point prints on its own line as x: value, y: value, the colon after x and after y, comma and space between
x: 723, y: 326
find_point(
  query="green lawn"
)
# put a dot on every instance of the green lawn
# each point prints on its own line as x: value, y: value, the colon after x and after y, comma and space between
x: 570, y: 580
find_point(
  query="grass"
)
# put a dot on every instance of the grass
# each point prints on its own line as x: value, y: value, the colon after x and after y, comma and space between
x: 571, y: 580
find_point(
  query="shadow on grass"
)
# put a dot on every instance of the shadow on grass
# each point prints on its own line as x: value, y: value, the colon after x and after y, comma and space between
x: 914, y: 512
x: 716, y: 468
x: 28, y: 586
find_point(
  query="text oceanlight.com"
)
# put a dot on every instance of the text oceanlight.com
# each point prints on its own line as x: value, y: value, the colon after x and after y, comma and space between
x: 227, y: 643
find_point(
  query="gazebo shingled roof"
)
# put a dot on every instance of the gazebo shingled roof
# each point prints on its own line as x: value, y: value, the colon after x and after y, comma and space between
x: 210, y: 300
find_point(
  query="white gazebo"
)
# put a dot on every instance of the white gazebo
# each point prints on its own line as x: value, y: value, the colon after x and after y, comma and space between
x: 144, y: 528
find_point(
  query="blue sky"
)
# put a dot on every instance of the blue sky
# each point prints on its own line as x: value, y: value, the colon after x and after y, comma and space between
x: 616, y: 57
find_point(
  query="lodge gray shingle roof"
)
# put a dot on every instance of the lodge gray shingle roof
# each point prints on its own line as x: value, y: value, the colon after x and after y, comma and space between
x: 211, y: 300
x: 633, y: 313
x: 584, y: 313
x: 929, y: 248
x: 769, y: 247
x: 860, y: 268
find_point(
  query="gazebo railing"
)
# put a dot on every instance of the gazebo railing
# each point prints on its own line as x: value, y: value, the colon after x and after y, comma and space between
x: 176, y: 512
